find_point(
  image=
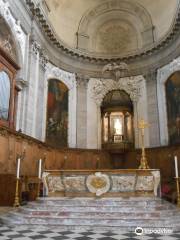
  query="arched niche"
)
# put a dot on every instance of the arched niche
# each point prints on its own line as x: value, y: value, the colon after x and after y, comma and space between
x: 163, y: 75
x: 53, y: 72
x: 7, y: 40
x: 113, y: 16
x: 172, y: 86
x: 117, y: 121
x: 57, y: 114
x: 8, y: 71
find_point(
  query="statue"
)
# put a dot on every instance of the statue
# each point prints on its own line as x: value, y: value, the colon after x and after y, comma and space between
x: 117, y: 70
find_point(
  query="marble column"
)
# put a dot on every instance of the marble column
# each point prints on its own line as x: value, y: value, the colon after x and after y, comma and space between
x: 152, y: 104
x: 81, y: 121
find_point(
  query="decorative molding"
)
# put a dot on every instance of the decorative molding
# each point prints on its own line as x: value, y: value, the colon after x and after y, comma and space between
x: 35, y: 47
x: 91, y: 57
x: 67, y: 78
x: 130, y: 84
x: 43, y: 60
x: 14, y: 25
x: 82, y: 80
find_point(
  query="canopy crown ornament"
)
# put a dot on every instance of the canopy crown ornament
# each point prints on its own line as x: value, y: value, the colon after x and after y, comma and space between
x: 116, y: 70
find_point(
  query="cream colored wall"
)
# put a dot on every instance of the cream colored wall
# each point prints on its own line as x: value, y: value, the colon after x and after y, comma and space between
x: 65, y: 15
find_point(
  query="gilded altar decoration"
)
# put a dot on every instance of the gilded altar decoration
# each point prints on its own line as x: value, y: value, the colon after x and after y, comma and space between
x: 98, y: 183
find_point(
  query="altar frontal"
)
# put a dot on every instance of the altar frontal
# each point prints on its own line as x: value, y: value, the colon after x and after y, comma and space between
x: 105, y: 183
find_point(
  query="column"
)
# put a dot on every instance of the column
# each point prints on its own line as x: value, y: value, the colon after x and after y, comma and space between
x: 81, y: 129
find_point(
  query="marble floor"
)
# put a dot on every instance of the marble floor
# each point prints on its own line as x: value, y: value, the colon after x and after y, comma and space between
x: 23, y: 232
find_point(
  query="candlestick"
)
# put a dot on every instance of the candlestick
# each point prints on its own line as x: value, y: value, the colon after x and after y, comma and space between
x: 176, y: 166
x: 18, y: 167
x: 143, y: 161
x: 40, y: 168
x: 178, y: 193
x: 16, y: 200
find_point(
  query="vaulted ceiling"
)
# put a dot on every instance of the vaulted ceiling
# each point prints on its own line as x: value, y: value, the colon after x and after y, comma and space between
x: 110, y: 27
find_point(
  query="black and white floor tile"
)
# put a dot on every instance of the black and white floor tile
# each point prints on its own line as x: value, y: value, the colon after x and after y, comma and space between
x: 53, y: 233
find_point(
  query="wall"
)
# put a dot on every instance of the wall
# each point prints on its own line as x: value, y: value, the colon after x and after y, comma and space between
x: 13, y: 144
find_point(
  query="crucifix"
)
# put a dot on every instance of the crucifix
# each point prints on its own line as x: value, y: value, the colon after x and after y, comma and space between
x: 142, y: 125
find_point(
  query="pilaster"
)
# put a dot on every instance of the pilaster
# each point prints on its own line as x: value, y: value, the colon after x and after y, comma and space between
x: 81, y: 134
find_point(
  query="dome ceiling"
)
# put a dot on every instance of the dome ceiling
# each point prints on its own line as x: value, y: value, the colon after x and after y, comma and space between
x: 110, y: 27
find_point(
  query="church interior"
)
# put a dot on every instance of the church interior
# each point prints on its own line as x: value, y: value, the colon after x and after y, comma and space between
x: 89, y: 119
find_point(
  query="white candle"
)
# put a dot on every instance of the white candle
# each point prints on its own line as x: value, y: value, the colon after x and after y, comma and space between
x: 176, y: 166
x: 40, y: 167
x: 18, y: 167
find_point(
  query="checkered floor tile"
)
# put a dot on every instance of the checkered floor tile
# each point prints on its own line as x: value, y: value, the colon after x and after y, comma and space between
x: 53, y: 233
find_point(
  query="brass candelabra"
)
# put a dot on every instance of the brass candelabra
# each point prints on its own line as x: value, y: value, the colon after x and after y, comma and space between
x: 143, y: 161
x: 178, y: 193
x: 38, y: 187
x: 16, y: 200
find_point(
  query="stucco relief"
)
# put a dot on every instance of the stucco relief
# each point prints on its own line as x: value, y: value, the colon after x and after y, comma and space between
x: 130, y: 84
x: 14, y: 26
x: 116, y: 37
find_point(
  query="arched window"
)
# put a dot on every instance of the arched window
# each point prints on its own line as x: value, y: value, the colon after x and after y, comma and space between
x: 173, y: 107
x: 4, y: 95
x: 57, y: 114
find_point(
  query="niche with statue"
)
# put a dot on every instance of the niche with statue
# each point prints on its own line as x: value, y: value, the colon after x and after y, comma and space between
x: 117, y: 121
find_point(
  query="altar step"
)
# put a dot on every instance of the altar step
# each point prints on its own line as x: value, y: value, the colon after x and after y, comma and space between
x: 103, y: 213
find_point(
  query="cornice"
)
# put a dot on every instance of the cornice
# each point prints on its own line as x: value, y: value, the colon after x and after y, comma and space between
x: 94, y: 58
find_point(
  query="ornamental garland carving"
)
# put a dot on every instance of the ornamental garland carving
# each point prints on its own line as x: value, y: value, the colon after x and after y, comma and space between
x: 131, y: 85
x: 54, y: 72
x: 13, y: 24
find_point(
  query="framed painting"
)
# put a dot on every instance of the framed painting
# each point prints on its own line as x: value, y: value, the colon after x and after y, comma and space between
x: 57, y: 114
x: 173, y: 107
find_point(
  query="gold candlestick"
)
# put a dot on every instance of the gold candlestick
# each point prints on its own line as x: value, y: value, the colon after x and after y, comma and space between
x: 178, y: 193
x: 38, y: 188
x: 143, y: 162
x: 16, y: 200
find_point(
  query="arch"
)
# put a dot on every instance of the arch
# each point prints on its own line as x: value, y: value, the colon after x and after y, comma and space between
x: 53, y: 72
x: 172, y: 86
x: 17, y: 33
x: 162, y: 75
x: 131, y: 11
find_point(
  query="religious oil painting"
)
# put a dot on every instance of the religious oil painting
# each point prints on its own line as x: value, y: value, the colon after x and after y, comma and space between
x: 173, y: 107
x: 57, y: 114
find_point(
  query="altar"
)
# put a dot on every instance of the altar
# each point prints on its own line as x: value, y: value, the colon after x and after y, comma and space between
x: 105, y: 183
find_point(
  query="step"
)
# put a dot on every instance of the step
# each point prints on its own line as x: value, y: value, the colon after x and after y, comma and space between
x: 92, y: 222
